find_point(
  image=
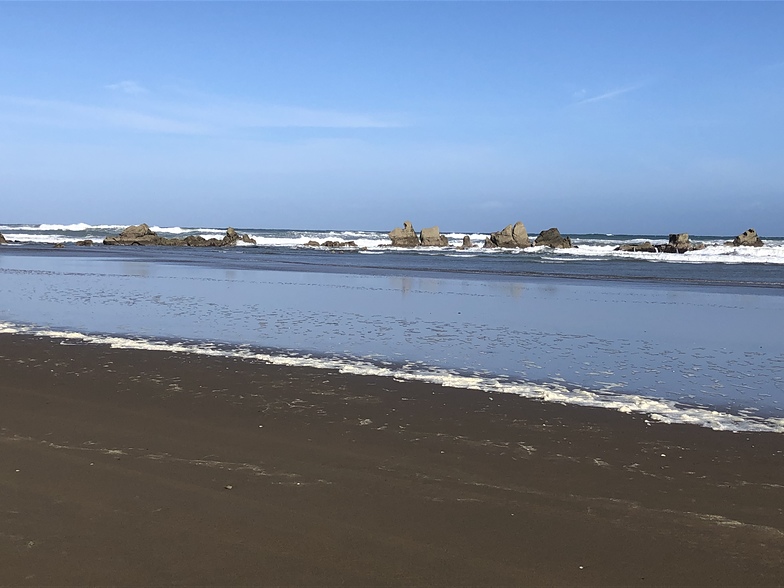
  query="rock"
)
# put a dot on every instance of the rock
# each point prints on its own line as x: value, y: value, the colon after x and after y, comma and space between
x: 645, y: 247
x: 405, y: 237
x: 85, y: 243
x: 312, y: 244
x: 466, y: 243
x: 747, y: 239
x: 510, y: 237
x: 59, y: 246
x: 432, y: 237
x: 2, y: 239
x: 553, y: 238
x: 679, y: 243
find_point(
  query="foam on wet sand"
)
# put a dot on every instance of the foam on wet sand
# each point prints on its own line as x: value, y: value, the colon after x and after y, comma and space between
x: 149, y: 467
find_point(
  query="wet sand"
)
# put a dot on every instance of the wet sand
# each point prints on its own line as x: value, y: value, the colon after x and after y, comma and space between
x: 155, y: 468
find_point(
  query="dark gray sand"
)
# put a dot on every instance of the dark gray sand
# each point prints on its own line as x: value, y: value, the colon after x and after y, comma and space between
x: 153, y: 468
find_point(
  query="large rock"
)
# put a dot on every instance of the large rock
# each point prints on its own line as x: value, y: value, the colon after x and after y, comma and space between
x: 645, y: 247
x: 679, y: 243
x: 432, y: 237
x: 136, y: 235
x: 553, y: 238
x: 466, y: 243
x: 512, y: 236
x: 405, y: 237
x: 2, y: 239
x: 747, y: 239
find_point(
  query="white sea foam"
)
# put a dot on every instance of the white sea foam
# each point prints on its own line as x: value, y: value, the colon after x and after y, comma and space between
x: 77, y: 227
x: 657, y: 409
x: 713, y: 253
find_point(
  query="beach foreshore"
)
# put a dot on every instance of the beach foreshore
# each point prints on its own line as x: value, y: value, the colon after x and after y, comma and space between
x: 138, y: 467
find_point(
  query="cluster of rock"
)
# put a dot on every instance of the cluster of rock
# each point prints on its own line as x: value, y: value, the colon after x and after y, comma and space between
x: 511, y: 237
x: 331, y: 244
x: 407, y: 237
x: 142, y: 235
x: 680, y: 243
x: 515, y: 236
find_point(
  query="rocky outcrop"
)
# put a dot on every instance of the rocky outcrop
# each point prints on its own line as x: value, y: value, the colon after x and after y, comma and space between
x: 432, y: 237
x: 553, y: 238
x: 466, y: 243
x: 143, y: 235
x: 746, y: 239
x: 2, y: 239
x: 333, y: 244
x: 512, y: 236
x: 405, y: 237
x: 85, y: 243
x: 232, y: 237
x: 679, y: 243
x: 646, y: 247
x: 136, y: 235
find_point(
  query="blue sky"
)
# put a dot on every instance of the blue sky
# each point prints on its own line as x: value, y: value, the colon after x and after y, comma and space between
x: 608, y: 117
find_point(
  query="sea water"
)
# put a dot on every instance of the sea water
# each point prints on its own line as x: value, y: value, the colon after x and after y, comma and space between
x: 681, y: 338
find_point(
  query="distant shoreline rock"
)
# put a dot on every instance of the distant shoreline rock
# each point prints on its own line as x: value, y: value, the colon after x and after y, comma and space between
x: 679, y: 243
x: 432, y: 237
x: 143, y: 235
x: 510, y: 237
x: 554, y: 239
x: 405, y: 237
x: 748, y: 238
x: 2, y: 239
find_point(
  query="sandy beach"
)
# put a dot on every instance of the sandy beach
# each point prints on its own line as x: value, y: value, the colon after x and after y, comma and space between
x: 122, y: 467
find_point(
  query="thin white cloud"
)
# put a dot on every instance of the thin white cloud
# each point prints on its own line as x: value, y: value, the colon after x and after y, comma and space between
x: 69, y: 115
x: 194, y: 115
x: 610, y: 95
x: 127, y: 87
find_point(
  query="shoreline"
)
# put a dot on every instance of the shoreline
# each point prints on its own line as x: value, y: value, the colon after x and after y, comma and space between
x: 150, y: 467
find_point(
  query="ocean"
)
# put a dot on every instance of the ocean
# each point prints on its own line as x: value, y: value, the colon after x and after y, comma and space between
x: 682, y: 338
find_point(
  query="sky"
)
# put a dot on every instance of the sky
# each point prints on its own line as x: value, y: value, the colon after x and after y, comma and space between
x: 620, y: 117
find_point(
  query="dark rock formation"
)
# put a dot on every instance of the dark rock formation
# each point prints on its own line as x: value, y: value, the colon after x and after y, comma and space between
x: 405, y: 237
x: 679, y: 243
x: 645, y: 247
x: 432, y: 237
x: 746, y: 239
x: 59, y: 245
x: 312, y: 244
x: 142, y: 235
x: 510, y: 237
x: 233, y: 236
x: 2, y: 239
x: 466, y: 243
x: 85, y: 243
x: 553, y: 238
x: 333, y: 244
x: 136, y: 235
